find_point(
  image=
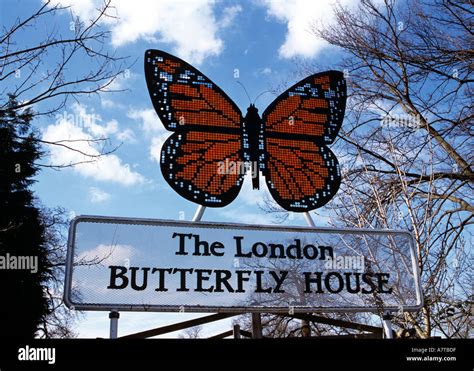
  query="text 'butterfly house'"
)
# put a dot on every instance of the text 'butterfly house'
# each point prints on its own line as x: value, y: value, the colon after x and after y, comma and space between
x: 287, y: 143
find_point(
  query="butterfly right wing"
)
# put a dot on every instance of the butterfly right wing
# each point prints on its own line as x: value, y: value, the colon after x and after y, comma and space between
x: 207, y: 124
x: 301, y: 172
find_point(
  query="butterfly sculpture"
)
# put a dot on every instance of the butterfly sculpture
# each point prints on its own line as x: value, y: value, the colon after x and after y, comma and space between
x: 287, y: 143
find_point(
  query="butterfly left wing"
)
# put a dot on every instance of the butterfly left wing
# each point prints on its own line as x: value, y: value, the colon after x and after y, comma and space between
x: 301, y: 173
x: 207, y: 130
x: 197, y: 166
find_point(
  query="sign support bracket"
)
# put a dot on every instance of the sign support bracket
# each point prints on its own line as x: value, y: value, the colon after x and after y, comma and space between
x: 114, y: 317
x: 257, y: 331
x: 306, y: 325
x: 387, y: 325
x: 309, y: 219
x: 199, y: 213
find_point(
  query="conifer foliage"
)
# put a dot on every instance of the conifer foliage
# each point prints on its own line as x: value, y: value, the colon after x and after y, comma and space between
x: 22, y: 233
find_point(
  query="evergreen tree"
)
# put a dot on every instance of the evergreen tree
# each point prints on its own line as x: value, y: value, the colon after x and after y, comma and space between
x: 22, y: 232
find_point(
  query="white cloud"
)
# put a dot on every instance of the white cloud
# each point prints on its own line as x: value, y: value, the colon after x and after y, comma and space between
x: 151, y: 126
x: 97, y: 195
x: 239, y: 215
x: 108, y: 254
x: 122, y: 82
x: 299, y: 16
x: 191, y: 27
x: 72, y: 131
x: 126, y: 135
x: 266, y: 71
x: 149, y: 119
x: 86, y: 118
x: 107, y: 103
x: 156, y: 144
x: 103, y: 131
x: 228, y: 15
x: 384, y: 108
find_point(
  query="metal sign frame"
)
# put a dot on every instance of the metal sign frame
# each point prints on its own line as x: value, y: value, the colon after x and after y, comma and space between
x: 189, y: 309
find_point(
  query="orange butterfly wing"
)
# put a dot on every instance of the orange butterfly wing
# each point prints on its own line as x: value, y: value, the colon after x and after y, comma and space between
x: 207, y: 131
x: 301, y: 173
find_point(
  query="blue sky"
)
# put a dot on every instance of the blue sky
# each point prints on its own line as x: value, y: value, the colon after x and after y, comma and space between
x: 262, y: 39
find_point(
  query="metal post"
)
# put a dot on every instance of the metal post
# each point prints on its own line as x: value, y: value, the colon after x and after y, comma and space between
x: 237, y: 332
x: 309, y: 219
x: 305, y: 325
x: 305, y: 329
x: 387, y: 325
x: 256, y: 326
x: 114, y: 316
x: 198, y: 214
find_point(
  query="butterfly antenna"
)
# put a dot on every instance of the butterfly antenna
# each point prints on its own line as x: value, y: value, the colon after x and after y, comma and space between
x: 258, y: 96
x: 243, y: 87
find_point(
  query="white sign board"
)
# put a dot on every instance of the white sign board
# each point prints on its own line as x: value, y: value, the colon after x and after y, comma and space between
x: 163, y: 265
